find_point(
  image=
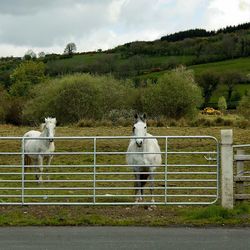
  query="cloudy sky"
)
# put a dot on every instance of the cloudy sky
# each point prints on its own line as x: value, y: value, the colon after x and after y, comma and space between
x: 48, y: 25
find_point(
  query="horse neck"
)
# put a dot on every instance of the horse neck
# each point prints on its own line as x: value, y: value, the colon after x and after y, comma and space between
x: 45, y: 142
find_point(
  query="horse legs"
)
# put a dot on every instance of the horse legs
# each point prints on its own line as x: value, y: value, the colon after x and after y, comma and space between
x: 48, y: 162
x: 151, y: 178
x: 40, y: 164
x: 138, y: 190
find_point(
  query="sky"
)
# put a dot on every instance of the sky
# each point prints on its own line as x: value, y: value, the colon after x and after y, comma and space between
x: 49, y: 25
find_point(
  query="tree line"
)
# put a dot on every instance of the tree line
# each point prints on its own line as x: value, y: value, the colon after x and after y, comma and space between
x: 177, y: 36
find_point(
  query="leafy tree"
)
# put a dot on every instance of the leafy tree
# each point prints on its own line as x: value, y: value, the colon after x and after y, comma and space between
x: 4, y: 104
x: 244, y: 106
x: 222, y: 104
x: 41, y: 54
x: 25, y: 75
x: 208, y: 81
x: 230, y: 79
x: 30, y: 54
x: 75, y: 97
x: 175, y: 95
x: 70, y: 49
x: 228, y: 45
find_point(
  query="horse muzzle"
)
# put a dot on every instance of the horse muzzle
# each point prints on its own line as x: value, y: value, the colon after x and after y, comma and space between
x: 51, y: 140
x: 139, y: 143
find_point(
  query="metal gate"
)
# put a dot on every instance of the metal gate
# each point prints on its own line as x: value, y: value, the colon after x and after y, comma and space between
x: 93, y: 171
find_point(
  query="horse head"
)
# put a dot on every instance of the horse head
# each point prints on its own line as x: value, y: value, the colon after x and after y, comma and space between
x: 140, y: 129
x: 49, y: 128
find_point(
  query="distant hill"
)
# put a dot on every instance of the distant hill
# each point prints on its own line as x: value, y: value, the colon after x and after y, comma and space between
x: 178, y: 36
x: 141, y: 60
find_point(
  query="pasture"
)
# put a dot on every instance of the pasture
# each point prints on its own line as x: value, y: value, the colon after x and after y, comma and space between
x: 118, y: 215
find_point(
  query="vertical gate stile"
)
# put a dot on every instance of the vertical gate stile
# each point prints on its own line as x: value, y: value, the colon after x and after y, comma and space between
x: 166, y: 168
x: 94, y: 184
x: 218, y: 170
x: 23, y: 177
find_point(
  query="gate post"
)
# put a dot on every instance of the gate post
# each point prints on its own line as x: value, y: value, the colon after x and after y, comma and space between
x: 227, y: 199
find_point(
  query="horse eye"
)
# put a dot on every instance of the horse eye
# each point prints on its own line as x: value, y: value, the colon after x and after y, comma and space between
x: 145, y: 127
x: 133, y: 129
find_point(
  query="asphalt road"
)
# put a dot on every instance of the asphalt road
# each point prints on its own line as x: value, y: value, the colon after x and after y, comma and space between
x: 123, y: 238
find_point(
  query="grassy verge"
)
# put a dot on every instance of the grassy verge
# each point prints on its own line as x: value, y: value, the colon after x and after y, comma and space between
x: 125, y: 216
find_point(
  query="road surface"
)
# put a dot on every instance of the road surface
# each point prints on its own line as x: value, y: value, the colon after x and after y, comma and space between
x: 148, y: 238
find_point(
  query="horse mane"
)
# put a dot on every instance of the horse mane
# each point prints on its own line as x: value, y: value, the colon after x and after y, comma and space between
x: 42, y: 126
x: 141, y: 117
x: 48, y: 119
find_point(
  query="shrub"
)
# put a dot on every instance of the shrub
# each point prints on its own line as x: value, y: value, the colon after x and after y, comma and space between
x: 116, y: 115
x: 244, y: 107
x: 14, y: 114
x: 222, y: 104
x: 4, y: 105
x: 25, y: 75
x: 175, y: 95
x: 77, y: 97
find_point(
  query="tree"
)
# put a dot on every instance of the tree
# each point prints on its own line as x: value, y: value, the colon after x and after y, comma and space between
x: 30, y: 54
x: 70, y: 49
x: 175, y: 95
x: 41, y: 54
x: 4, y: 104
x: 230, y: 79
x: 25, y: 75
x: 244, y: 106
x: 75, y: 97
x: 222, y: 104
x: 208, y: 81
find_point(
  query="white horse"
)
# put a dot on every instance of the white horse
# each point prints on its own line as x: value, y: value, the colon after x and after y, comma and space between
x: 145, y: 163
x: 40, y: 146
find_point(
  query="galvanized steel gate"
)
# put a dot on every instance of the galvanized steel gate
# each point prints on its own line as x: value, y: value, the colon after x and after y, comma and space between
x: 93, y: 171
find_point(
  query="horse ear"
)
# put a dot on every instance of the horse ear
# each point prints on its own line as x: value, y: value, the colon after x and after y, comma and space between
x: 136, y: 116
x: 144, y: 116
x: 45, y: 120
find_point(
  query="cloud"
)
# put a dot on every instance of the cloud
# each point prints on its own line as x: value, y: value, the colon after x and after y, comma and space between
x: 48, y: 25
x: 233, y: 12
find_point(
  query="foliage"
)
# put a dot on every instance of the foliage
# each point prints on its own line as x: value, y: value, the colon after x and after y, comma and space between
x: 175, y: 95
x: 14, y: 114
x: 25, y: 75
x: 76, y: 97
x: 208, y: 82
x: 230, y: 79
x: 203, y: 33
x: 4, y: 104
x: 244, y: 106
x: 70, y: 49
x: 186, y: 34
x: 222, y: 104
x: 30, y: 54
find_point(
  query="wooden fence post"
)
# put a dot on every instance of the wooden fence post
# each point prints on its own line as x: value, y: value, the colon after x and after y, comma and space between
x: 240, y: 172
x: 227, y: 199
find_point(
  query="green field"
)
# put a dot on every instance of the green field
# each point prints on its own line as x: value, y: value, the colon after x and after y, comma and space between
x: 118, y: 215
x: 239, y: 89
x: 241, y: 65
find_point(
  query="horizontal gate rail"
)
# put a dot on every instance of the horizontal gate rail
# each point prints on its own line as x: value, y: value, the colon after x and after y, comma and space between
x: 92, y: 170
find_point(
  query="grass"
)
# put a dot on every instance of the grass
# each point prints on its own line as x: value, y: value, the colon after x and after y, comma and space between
x: 222, y: 90
x: 241, y: 65
x: 121, y: 215
x: 124, y: 216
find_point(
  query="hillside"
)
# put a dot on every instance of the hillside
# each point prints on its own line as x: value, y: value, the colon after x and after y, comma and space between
x: 220, y: 52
